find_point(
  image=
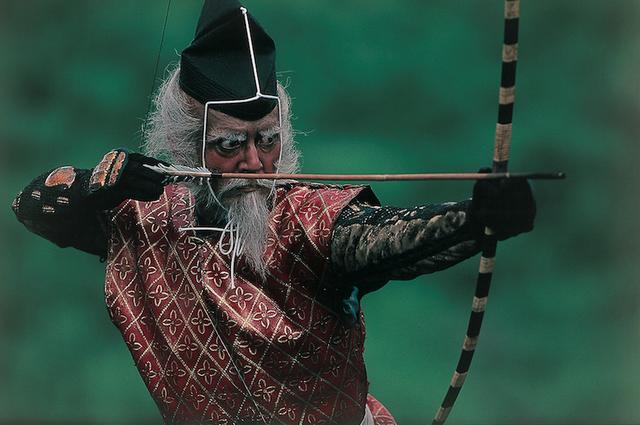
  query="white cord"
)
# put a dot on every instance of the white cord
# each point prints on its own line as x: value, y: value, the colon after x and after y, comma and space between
x: 235, y: 247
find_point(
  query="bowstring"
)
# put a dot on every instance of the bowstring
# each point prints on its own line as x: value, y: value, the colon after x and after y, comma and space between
x: 153, y: 84
x: 157, y: 65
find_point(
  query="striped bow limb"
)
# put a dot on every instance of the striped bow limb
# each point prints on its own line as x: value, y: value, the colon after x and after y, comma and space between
x: 489, y: 242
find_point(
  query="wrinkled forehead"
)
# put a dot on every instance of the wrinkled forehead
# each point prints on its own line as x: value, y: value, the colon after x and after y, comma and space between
x: 218, y: 121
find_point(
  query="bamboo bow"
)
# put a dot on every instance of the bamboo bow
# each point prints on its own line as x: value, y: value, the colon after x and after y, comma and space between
x: 489, y: 242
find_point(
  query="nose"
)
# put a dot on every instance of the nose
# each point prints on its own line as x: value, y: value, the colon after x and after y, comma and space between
x: 251, y: 162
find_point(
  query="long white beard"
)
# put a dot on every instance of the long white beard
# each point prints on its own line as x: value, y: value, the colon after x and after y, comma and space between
x: 248, y: 212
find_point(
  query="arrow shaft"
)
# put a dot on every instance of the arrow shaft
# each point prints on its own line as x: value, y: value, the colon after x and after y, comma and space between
x: 200, y: 173
x: 393, y: 177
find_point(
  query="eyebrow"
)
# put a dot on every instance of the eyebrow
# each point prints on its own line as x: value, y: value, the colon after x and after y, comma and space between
x: 271, y: 131
x: 238, y: 136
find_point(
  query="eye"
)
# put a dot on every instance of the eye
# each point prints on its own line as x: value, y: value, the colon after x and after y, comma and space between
x: 225, y: 145
x: 267, y: 141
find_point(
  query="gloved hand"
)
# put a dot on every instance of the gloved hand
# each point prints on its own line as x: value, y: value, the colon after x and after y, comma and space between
x: 121, y: 175
x: 506, y: 206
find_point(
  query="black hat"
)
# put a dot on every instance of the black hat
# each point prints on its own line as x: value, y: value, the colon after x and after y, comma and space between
x: 217, y: 64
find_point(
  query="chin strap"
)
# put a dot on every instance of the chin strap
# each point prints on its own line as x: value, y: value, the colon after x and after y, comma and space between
x: 489, y: 242
x: 234, y: 246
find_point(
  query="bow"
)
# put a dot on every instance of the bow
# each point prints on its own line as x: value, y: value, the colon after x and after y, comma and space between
x: 489, y: 242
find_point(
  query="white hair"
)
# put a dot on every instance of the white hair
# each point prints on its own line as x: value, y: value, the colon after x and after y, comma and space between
x: 173, y: 132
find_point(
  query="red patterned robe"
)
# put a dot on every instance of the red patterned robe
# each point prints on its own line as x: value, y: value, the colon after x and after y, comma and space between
x: 203, y: 347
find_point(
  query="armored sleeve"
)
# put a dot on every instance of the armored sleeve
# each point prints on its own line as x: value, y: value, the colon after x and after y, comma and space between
x: 371, y: 245
x: 52, y: 206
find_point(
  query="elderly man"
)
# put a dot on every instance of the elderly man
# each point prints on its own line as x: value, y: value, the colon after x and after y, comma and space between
x: 239, y: 299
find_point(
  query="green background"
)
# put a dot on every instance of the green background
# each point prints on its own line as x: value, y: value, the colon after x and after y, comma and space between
x: 378, y: 86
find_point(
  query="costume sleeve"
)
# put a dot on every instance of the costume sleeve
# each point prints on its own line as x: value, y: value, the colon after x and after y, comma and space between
x: 371, y: 245
x: 53, y: 207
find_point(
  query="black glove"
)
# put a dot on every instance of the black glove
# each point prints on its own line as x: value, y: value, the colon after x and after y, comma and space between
x: 506, y: 206
x: 121, y: 175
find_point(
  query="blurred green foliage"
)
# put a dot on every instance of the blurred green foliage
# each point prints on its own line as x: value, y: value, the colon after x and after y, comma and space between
x: 377, y: 85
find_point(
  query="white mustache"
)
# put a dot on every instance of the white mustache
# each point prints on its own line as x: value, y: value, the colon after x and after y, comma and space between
x: 236, y: 187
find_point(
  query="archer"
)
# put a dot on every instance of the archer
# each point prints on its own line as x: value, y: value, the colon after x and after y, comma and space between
x: 240, y: 300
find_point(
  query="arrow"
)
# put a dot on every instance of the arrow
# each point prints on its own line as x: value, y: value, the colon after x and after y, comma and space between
x: 183, y: 173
